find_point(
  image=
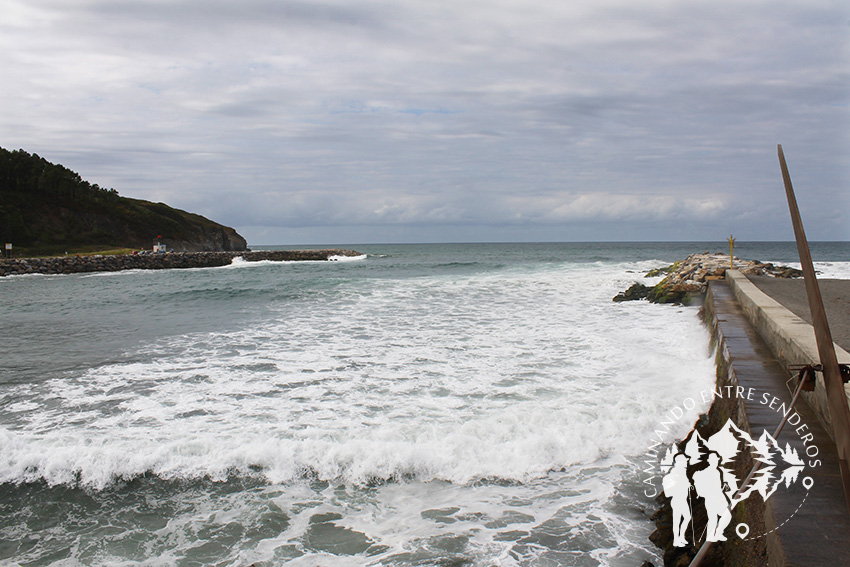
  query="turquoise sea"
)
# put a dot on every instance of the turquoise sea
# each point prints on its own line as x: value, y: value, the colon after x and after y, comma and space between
x: 433, y: 404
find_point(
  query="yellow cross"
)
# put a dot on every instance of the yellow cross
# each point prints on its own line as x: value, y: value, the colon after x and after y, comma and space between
x: 731, y: 255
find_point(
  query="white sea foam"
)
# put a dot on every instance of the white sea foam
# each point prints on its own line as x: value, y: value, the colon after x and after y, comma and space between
x: 337, y: 258
x: 240, y: 262
x: 457, y: 379
x: 830, y: 270
x: 824, y: 270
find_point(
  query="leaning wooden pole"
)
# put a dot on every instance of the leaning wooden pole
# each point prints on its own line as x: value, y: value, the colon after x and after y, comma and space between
x: 836, y: 396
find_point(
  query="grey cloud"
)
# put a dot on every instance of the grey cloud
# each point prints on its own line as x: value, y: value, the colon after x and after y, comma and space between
x: 222, y: 13
x: 479, y: 116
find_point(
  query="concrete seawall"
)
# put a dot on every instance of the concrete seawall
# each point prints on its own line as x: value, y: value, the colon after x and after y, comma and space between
x: 801, y: 524
x: 172, y: 260
x: 790, y: 338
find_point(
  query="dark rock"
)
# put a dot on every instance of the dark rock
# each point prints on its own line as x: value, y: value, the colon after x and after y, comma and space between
x: 665, y: 292
x: 635, y: 292
x: 686, y: 281
x: 693, y: 298
x: 79, y: 264
x: 655, y: 272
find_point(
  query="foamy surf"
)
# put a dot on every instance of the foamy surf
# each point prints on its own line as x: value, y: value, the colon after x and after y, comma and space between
x: 477, y: 404
x: 828, y: 270
x: 494, y: 378
x: 241, y: 262
x: 347, y: 258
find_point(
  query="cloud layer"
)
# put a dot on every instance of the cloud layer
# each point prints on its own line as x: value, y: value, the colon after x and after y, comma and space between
x: 344, y: 121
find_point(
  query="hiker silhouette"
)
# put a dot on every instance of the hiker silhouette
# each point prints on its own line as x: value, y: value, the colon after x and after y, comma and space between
x: 712, y: 487
x: 677, y: 486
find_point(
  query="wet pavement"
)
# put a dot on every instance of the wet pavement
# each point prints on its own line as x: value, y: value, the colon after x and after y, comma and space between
x: 813, y: 525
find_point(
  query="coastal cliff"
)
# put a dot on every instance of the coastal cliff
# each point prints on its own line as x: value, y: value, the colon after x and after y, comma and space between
x: 46, y: 208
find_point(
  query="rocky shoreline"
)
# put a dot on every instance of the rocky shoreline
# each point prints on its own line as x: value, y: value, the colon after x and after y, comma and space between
x: 164, y: 261
x: 686, y: 281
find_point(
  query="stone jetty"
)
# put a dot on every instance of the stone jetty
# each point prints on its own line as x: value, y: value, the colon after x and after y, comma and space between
x: 686, y: 281
x: 163, y: 261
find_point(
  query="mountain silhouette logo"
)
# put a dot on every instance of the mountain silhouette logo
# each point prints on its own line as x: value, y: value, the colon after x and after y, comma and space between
x: 704, y: 470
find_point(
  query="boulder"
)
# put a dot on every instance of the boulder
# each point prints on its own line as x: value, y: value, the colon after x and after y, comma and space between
x: 635, y: 292
x: 685, y: 281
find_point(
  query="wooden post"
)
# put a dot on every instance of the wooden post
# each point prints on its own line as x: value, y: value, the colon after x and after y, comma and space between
x: 839, y: 412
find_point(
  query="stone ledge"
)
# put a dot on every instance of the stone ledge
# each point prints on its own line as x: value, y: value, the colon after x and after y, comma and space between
x: 686, y: 281
x: 170, y: 260
x: 790, y: 338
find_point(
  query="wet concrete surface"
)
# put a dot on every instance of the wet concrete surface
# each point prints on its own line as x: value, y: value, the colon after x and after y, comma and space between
x: 813, y: 525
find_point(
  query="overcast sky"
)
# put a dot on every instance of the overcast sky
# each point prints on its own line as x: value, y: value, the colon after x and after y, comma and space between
x: 356, y: 121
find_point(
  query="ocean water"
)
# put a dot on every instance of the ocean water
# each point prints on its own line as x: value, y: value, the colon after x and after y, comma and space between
x: 466, y: 404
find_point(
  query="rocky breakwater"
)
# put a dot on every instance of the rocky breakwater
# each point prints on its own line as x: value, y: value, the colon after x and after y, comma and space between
x: 686, y: 281
x: 148, y: 261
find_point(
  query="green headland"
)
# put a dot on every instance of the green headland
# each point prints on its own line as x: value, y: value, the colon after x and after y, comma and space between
x: 47, y: 209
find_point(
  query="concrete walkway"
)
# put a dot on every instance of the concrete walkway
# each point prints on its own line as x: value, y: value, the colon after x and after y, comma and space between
x: 806, y: 527
x: 792, y: 294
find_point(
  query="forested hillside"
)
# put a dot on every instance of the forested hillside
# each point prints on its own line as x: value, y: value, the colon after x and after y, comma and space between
x: 46, y: 207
